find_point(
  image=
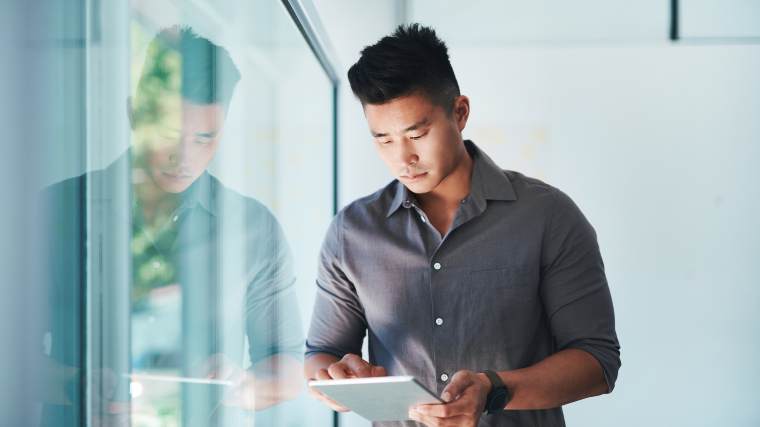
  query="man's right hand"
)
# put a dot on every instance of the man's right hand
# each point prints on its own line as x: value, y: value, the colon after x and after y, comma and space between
x: 350, y: 366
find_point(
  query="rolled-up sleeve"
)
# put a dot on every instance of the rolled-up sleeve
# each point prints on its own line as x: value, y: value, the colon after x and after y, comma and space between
x: 338, y: 323
x: 574, y: 288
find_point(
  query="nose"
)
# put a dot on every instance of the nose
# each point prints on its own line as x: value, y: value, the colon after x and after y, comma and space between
x: 407, y: 155
x: 178, y: 151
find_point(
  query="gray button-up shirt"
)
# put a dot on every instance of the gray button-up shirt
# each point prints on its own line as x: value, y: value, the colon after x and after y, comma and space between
x: 231, y: 262
x: 518, y: 277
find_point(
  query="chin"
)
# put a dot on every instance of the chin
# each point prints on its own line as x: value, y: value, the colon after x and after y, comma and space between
x: 419, y: 187
x: 173, y: 186
x: 173, y: 189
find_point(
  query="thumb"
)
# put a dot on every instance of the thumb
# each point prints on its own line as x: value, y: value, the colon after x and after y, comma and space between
x: 459, y: 382
x: 378, y: 371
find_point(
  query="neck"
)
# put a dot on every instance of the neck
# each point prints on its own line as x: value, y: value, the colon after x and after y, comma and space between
x: 153, y: 202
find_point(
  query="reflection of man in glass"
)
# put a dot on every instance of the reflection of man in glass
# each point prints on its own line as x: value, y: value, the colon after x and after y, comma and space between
x: 208, y: 265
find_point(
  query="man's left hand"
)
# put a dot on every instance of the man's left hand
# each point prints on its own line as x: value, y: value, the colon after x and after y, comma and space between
x: 465, y: 398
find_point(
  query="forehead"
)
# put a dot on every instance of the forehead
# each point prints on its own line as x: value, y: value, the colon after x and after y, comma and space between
x: 189, y: 115
x: 202, y: 117
x: 203, y: 112
x: 399, y: 112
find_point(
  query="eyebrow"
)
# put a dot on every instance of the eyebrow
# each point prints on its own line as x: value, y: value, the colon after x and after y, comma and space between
x: 415, y: 126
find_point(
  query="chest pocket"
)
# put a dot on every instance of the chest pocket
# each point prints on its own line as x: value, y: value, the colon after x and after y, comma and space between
x: 511, y: 282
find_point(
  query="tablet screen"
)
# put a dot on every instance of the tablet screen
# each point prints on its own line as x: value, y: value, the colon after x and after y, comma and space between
x: 378, y: 398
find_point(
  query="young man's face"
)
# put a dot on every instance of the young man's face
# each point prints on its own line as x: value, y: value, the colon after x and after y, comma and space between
x: 176, y: 150
x: 419, y: 142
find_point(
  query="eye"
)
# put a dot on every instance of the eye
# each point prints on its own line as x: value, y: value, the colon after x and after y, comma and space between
x: 415, y: 138
x: 203, y: 141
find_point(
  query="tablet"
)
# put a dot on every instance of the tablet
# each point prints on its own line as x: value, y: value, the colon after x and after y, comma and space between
x: 176, y: 379
x: 377, y: 398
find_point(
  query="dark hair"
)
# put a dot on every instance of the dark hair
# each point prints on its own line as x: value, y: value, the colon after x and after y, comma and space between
x: 178, y: 60
x: 411, y: 59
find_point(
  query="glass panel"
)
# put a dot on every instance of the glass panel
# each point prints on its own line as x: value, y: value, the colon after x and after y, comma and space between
x: 181, y: 213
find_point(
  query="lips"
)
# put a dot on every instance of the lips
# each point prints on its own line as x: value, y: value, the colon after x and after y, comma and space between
x: 176, y: 176
x: 414, y: 177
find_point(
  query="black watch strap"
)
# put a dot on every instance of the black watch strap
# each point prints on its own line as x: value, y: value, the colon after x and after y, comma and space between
x: 498, y: 396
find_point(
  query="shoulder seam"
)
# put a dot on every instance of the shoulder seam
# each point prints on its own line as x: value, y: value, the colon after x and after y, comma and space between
x: 550, y: 222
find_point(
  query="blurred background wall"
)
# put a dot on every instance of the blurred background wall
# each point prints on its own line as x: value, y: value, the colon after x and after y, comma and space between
x: 655, y: 135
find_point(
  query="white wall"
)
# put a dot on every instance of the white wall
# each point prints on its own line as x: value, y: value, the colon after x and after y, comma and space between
x: 724, y: 18
x: 657, y: 143
x: 514, y: 22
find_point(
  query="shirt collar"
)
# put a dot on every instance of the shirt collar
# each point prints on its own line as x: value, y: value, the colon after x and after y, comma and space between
x: 488, y: 182
x: 200, y: 193
x: 403, y: 197
x: 488, y: 179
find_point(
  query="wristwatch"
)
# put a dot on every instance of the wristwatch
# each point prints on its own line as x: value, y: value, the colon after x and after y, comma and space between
x: 499, y: 396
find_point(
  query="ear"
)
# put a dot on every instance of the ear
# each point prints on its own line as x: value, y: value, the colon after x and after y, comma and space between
x: 130, y: 113
x: 461, y: 111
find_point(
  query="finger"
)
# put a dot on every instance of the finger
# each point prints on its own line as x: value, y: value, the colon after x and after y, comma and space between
x: 339, y: 370
x: 358, y: 366
x: 335, y: 406
x: 209, y: 367
x: 322, y: 374
x: 453, y: 421
x: 435, y: 410
x: 459, y: 382
x: 458, y: 407
x: 424, y: 419
x: 378, y: 371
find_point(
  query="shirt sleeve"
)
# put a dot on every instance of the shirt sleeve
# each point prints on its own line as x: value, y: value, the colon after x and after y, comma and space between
x: 272, y: 315
x: 574, y: 288
x: 338, y: 323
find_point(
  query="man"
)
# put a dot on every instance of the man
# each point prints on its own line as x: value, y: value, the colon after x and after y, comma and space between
x: 209, y: 267
x: 484, y: 284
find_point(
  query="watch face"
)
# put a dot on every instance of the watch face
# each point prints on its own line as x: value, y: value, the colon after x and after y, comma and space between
x: 497, y: 400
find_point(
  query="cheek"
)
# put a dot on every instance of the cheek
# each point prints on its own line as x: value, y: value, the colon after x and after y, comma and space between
x: 204, y: 155
x: 385, y: 155
x: 440, y: 156
x: 433, y: 150
x: 156, y: 158
x: 159, y: 151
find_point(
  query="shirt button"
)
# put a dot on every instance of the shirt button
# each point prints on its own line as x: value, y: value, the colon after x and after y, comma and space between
x: 439, y: 321
x: 437, y: 265
x: 423, y: 219
x: 464, y: 200
x: 444, y: 377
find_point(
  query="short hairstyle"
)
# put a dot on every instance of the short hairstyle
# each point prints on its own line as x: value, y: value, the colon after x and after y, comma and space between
x: 179, y: 61
x: 412, y: 59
